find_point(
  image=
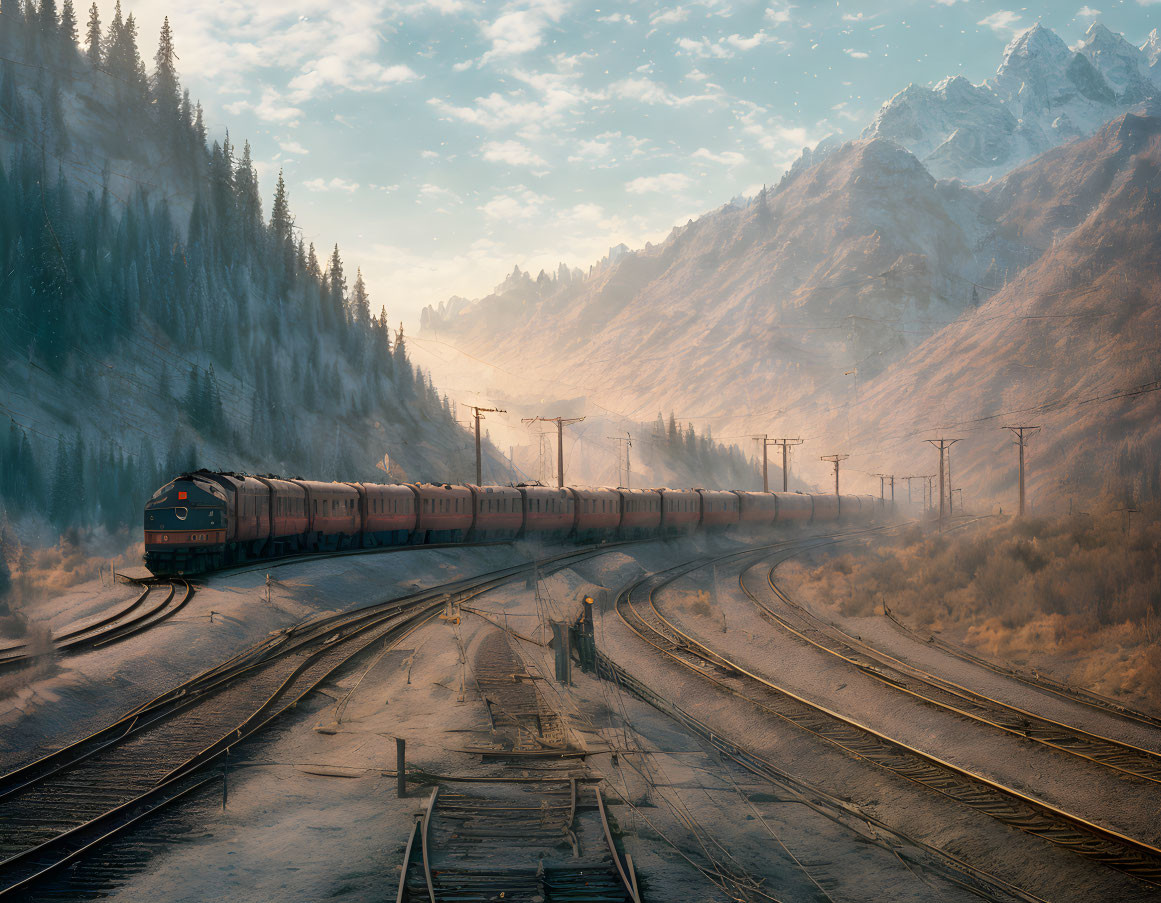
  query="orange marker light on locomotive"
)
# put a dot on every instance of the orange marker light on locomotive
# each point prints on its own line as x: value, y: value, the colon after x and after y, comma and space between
x: 181, y: 495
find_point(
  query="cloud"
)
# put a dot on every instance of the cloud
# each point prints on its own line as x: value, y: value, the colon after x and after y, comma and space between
x: 335, y: 184
x: 728, y: 158
x: 292, y: 147
x: 723, y: 48
x: 645, y: 90
x: 587, y: 151
x: 669, y: 16
x: 438, y: 194
x: 666, y: 181
x: 1087, y: 12
x: 856, y: 54
x: 306, y: 47
x: 520, y: 28
x: 854, y: 17
x: 511, y: 152
x: 553, y: 95
x: 522, y: 203
x: 779, y: 13
x: 1002, y: 22
x: 618, y: 19
x: 271, y: 107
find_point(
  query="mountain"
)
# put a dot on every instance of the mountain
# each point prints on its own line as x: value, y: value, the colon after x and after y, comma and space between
x: 1072, y: 345
x: 780, y: 315
x: 1042, y: 94
x: 154, y: 320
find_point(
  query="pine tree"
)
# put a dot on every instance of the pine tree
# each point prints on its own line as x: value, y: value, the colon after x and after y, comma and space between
x: 93, y: 37
x: 166, y: 91
x: 48, y: 18
x: 336, y: 288
x: 360, y: 301
x: 113, y: 37
x: 200, y: 127
x: 68, y: 27
x: 193, y: 400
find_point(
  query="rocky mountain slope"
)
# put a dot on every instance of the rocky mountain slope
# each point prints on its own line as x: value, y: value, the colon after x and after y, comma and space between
x: 1073, y: 344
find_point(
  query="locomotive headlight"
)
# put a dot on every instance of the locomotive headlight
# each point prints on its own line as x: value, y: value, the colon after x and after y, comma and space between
x: 165, y: 538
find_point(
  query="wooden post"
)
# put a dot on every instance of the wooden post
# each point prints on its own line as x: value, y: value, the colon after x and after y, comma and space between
x: 400, y: 767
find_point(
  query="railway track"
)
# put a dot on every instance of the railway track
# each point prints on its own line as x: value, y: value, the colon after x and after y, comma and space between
x: 522, y: 847
x: 636, y: 608
x: 157, y: 602
x: 61, y: 807
x: 947, y: 695
x: 1037, y: 680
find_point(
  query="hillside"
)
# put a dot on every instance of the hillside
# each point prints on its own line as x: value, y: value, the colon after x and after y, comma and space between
x: 155, y: 319
x: 1071, y: 345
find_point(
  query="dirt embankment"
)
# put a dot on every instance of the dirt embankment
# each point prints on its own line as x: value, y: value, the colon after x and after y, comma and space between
x: 1077, y: 597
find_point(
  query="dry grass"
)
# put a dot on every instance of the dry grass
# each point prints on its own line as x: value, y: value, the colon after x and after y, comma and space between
x: 1075, y: 596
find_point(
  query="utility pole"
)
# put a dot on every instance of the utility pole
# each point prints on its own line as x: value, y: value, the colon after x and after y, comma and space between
x: 628, y: 440
x: 766, y: 443
x: 560, y: 425
x: 478, y: 413
x: 892, y: 479
x: 786, y: 443
x: 1022, y: 440
x: 943, y: 445
x: 835, y: 459
x: 882, y: 477
x: 930, y: 490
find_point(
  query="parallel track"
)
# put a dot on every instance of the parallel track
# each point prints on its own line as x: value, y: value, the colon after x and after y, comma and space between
x: 1037, y: 680
x: 60, y: 807
x: 134, y: 618
x: 945, y: 694
x: 1009, y: 806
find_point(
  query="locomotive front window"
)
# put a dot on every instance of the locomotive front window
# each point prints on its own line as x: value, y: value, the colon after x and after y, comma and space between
x: 182, y: 513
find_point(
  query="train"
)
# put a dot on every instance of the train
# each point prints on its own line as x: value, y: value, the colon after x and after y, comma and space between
x: 207, y: 520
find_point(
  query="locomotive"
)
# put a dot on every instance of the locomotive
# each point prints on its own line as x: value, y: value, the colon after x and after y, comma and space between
x: 206, y: 520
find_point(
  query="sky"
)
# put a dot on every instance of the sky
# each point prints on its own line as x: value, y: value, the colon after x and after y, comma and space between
x: 442, y: 142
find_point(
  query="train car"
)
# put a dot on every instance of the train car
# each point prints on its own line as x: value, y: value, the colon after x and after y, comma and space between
x: 548, y: 513
x: 680, y: 511
x: 826, y: 507
x: 289, y: 521
x: 793, y: 506
x: 719, y: 509
x: 756, y: 509
x: 640, y: 513
x: 333, y: 513
x: 444, y: 512
x: 598, y: 514
x: 187, y: 526
x: 497, y: 513
x: 850, y: 507
x: 387, y: 512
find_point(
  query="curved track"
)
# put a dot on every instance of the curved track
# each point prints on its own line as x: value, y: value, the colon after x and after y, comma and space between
x: 903, y: 677
x: 60, y: 807
x: 1018, y: 810
x: 1039, y: 681
x: 156, y: 603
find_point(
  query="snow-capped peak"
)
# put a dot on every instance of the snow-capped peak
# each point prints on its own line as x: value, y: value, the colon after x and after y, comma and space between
x: 1123, y: 66
x: 1152, y: 49
x: 1042, y: 94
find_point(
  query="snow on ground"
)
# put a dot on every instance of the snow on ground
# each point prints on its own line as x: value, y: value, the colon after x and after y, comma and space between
x: 1103, y: 796
x: 72, y: 696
